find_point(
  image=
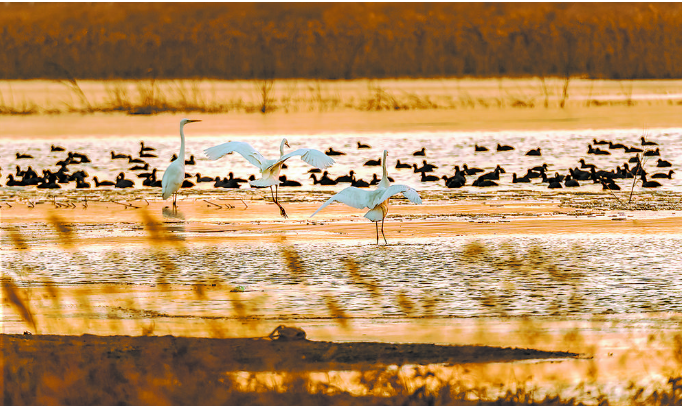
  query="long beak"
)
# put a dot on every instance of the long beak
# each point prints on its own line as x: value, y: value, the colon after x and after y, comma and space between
x: 193, y: 121
x: 287, y: 144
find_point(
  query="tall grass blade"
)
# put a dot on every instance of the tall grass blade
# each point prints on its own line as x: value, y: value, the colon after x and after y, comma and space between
x: 11, y: 293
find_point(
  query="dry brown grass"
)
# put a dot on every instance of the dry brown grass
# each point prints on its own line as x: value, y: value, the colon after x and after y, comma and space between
x: 341, y: 40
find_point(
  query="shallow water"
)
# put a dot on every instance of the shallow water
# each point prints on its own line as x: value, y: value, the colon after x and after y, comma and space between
x: 519, y: 275
x: 560, y: 150
x: 619, y: 276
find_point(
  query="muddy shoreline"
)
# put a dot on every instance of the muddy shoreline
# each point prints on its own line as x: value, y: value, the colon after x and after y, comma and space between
x: 209, y: 219
x: 262, y: 354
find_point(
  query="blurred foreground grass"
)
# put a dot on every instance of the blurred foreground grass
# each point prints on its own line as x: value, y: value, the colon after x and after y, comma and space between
x: 172, y: 370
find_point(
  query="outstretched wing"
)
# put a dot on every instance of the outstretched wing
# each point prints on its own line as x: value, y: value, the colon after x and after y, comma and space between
x: 351, y: 196
x: 310, y: 156
x: 392, y: 190
x: 243, y: 148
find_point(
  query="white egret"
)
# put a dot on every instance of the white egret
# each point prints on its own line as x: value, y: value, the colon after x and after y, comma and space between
x: 375, y: 200
x: 174, y: 175
x: 269, y: 168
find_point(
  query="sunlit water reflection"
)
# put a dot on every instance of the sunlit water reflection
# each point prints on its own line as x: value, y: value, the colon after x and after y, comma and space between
x: 560, y: 150
x: 446, y: 277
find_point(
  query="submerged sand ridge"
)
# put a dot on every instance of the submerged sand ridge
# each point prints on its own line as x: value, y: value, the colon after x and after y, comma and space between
x: 210, y: 220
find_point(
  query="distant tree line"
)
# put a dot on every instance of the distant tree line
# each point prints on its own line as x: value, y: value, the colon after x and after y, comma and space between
x: 339, y: 40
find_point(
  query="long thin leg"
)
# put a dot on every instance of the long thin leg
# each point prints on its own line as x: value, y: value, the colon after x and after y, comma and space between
x: 281, y: 209
x: 376, y: 223
x: 175, y: 196
x: 382, y: 230
x: 274, y: 199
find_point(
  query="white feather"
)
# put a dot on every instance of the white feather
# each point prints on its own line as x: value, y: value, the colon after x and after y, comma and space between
x: 269, y: 168
x: 243, y: 148
x: 350, y: 196
x: 312, y: 157
x: 407, y: 191
x: 360, y: 199
x: 371, y: 199
x: 173, y: 177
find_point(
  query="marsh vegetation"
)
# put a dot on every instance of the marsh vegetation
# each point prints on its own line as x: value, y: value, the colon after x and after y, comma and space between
x: 340, y: 40
x: 492, y: 96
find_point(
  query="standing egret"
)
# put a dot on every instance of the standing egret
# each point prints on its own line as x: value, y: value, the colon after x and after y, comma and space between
x: 375, y: 200
x: 174, y: 175
x: 269, y: 168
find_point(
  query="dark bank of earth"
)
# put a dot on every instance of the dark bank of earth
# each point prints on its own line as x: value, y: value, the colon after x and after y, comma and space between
x: 123, y: 370
x: 249, y: 354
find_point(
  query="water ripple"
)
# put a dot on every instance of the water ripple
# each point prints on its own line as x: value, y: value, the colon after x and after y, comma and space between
x: 520, y: 275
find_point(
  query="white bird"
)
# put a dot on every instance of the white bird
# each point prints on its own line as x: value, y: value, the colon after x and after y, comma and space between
x: 269, y: 168
x: 375, y: 200
x: 174, y: 175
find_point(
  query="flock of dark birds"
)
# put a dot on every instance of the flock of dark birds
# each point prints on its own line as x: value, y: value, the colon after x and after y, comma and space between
x: 585, y: 172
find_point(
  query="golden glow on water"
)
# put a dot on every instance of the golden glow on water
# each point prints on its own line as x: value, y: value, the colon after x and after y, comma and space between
x: 655, y: 106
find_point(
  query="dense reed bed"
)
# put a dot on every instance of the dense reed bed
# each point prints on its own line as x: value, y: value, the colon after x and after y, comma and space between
x: 340, y: 40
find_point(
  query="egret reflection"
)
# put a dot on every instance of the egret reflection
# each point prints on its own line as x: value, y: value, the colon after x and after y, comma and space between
x: 168, y: 212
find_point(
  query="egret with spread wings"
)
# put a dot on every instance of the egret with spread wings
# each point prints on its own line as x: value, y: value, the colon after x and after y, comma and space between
x: 375, y: 200
x: 269, y: 168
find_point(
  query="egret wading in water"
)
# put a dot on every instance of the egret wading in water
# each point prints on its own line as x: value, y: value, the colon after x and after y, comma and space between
x: 375, y: 200
x: 269, y: 168
x: 174, y: 175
